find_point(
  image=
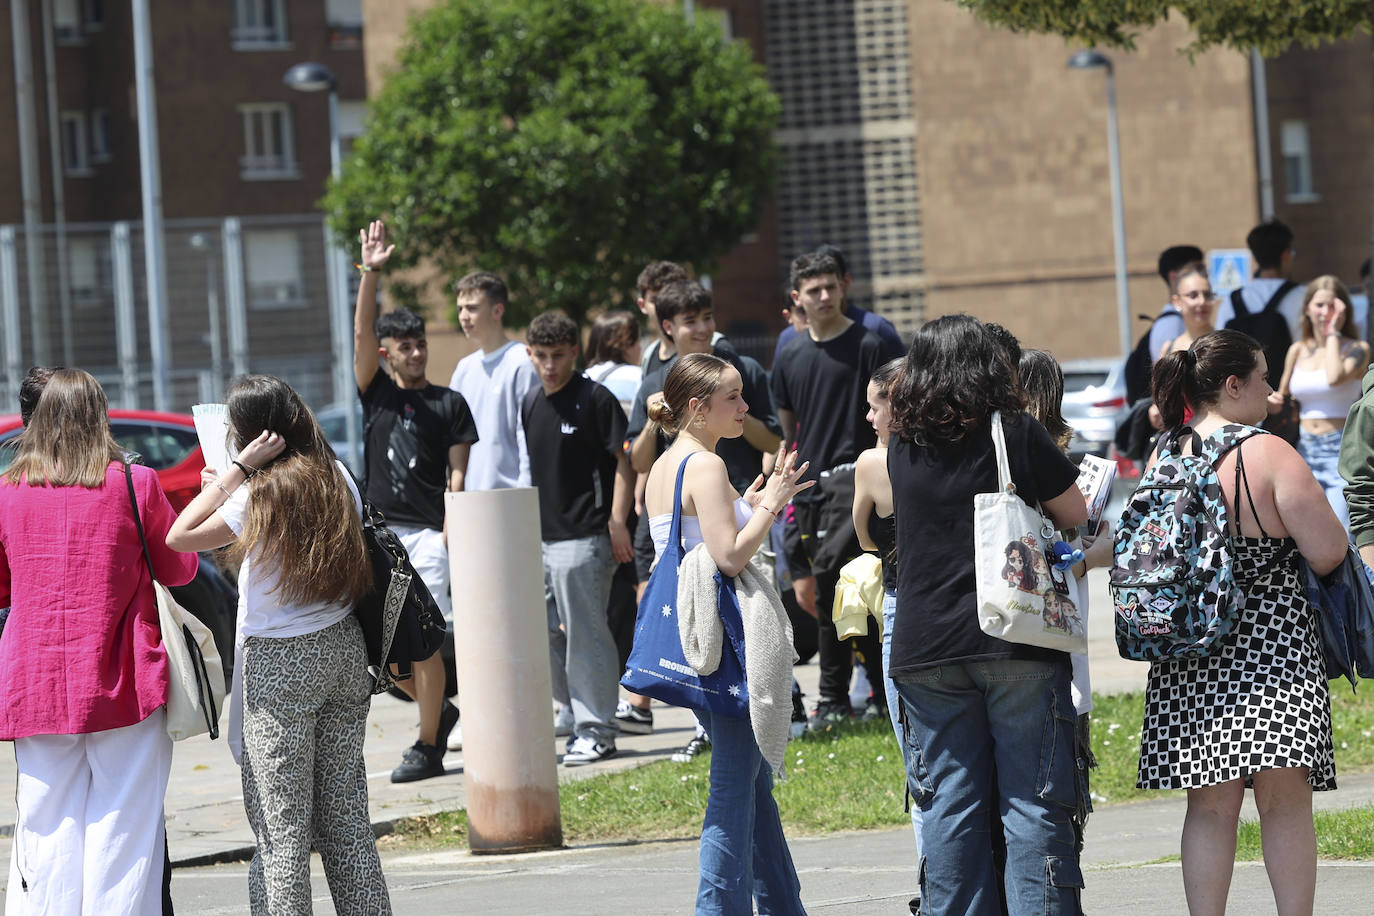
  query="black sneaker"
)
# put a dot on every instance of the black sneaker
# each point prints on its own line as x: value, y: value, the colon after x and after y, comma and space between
x: 828, y: 714
x: 694, y: 747
x: 914, y: 904
x: 633, y: 720
x: 798, y: 715
x: 448, y: 718
x: 421, y: 761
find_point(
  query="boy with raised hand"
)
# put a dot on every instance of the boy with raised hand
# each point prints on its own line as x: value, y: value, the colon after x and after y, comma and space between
x: 416, y: 441
x: 574, y: 431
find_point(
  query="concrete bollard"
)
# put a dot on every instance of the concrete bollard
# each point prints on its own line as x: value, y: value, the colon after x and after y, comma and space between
x: 502, y: 653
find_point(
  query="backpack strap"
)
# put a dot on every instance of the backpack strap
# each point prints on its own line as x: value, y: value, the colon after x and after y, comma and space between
x: 1238, y: 304
x: 1279, y: 293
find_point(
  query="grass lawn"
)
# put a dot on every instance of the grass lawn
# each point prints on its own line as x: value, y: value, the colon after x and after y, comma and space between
x: 850, y: 778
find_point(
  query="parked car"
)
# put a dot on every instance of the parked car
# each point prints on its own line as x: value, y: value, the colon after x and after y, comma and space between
x: 1094, y: 404
x: 333, y: 421
x: 167, y: 443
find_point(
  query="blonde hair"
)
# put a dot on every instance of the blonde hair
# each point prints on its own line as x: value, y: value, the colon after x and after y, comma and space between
x: 696, y: 375
x: 1334, y: 285
x: 67, y: 442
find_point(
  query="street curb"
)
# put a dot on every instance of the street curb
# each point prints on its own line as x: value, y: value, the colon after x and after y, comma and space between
x: 245, y: 853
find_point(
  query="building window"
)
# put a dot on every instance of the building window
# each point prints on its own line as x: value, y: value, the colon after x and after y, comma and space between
x: 89, y: 271
x: 269, y: 143
x: 345, y: 18
x: 66, y: 22
x: 100, y: 135
x: 75, y: 156
x: 94, y: 15
x: 273, y: 259
x: 259, y: 24
x: 1297, y: 163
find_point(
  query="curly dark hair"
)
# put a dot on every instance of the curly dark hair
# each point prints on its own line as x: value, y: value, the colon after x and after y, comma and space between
x: 956, y: 375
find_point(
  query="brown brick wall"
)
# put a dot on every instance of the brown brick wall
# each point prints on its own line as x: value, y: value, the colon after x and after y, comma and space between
x: 1013, y: 166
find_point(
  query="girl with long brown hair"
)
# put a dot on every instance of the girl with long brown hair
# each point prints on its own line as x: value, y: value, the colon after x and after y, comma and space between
x: 291, y: 515
x: 86, y: 674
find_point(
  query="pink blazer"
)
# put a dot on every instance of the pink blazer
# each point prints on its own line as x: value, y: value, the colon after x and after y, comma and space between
x: 82, y: 650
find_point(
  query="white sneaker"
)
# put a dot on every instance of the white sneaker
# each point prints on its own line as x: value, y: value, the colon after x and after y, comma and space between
x: 563, y: 722
x: 455, y: 738
x: 586, y: 750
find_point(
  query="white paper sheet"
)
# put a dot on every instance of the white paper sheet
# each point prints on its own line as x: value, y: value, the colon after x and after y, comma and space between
x: 212, y: 428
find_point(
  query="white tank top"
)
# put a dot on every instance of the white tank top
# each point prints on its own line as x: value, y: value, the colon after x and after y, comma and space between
x: 1318, y: 400
x: 660, y: 525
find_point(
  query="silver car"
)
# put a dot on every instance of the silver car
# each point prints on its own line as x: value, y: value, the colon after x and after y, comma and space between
x: 1094, y: 403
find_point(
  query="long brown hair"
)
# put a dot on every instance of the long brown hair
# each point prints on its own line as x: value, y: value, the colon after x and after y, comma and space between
x: 67, y: 442
x: 302, y: 521
x: 1334, y: 284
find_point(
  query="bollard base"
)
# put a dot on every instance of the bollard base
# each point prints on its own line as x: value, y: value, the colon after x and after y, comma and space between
x: 512, y: 820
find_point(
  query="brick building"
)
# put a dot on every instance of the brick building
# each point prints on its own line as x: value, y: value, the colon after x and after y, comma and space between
x: 243, y: 161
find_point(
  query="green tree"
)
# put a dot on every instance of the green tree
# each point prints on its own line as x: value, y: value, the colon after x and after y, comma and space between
x: 562, y: 144
x: 1269, y: 25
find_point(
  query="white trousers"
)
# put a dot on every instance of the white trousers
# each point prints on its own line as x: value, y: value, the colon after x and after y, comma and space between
x: 88, y: 832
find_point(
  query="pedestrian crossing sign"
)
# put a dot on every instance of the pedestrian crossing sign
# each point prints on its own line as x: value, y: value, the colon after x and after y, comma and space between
x: 1228, y: 269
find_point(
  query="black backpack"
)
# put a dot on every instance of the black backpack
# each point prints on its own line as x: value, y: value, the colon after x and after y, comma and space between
x: 1138, y: 365
x: 1268, y: 326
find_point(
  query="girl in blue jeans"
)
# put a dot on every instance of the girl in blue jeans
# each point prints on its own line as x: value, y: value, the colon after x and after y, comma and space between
x: 991, y: 722
x: 744, y: 856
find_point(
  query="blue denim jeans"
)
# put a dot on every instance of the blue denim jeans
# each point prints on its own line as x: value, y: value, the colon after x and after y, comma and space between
x: 894, y: 709
x: 1014, y: 719
x: 582, y: 655
x: 1322, y: 454
x: 744, y: 856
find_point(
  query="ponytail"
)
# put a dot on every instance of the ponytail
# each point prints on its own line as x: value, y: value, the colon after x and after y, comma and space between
x: 1195, y: 376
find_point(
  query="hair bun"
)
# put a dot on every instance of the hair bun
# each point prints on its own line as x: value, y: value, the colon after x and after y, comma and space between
x: 661, y: 414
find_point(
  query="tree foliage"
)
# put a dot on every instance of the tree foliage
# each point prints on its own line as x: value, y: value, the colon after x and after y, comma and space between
x: 1270, y: 25
x: 562, y: 144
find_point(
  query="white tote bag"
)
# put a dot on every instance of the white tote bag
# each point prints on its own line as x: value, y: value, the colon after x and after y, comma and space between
x: 196, y: 694
x: 1021, y: 596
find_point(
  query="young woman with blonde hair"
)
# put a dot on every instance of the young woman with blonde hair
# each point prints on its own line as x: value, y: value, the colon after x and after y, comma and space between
x: 1323, y: 371
x: 86, y: 675
x: 291, y: 515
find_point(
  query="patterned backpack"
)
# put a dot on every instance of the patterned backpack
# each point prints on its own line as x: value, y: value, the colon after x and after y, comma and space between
x: 1172, y: 579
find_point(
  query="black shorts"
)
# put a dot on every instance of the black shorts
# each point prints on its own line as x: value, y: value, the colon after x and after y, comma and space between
x: 644, y: 549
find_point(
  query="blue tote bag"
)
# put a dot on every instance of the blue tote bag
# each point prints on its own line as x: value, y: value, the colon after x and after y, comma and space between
x: 656, y: 666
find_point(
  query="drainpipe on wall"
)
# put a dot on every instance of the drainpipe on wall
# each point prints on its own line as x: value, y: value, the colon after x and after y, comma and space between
x: 28, y: 179
x: 1266, y: 163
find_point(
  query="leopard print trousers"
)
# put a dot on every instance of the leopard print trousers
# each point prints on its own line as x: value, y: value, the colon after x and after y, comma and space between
x: 305, y: 704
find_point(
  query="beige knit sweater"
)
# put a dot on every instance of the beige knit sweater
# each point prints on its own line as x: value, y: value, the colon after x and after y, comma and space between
x: 768, y: 651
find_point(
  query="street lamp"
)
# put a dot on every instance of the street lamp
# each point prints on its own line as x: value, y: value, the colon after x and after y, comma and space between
x: 1094, y: 60
x: 313, y: 77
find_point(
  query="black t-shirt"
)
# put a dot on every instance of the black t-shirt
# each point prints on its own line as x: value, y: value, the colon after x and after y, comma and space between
x: 407, y: 434
x: 743, y: 462
x: 574, y: 436
x: 825, y: 385
x: 932, y: 493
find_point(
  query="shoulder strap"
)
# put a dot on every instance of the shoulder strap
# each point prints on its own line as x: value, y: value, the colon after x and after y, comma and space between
x: 606, y: 372
x: 138, y: 521
x: 999, y: 444
x: 1279, y: 293
x: 1238, y: 304
x: 675, y: 529
x: 1243, y: 480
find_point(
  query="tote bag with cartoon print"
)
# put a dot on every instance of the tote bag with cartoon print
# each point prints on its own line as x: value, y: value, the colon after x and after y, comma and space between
x: 1021, y: 596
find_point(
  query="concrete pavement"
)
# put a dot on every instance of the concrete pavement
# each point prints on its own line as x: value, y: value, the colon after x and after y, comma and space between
x: 868, y: 872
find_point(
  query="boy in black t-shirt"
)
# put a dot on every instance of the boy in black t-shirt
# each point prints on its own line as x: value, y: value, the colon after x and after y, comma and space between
x: 575, y: 430
x: 416, y: 443
x: 820, y: 383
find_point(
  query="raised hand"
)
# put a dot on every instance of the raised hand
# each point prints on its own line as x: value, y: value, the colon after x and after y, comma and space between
x: 264, y: 448
x: 375, y: 250
x: 783, y: 483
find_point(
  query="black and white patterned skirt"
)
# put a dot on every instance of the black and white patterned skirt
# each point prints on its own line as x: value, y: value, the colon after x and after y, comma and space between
x: 1261, y: 703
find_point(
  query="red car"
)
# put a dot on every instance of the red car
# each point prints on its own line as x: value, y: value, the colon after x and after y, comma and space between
x: 166, y: 442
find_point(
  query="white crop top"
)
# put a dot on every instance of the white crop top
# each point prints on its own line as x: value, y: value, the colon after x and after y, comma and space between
x: 1320, y: 401
x: 660, y: 525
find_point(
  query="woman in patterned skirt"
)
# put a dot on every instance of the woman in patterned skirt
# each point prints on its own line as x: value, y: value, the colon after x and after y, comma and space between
x: 301, y: 691
x: 1255, y: 713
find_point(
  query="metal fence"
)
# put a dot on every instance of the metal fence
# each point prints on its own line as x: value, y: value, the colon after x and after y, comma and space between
x: 244, y: 294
